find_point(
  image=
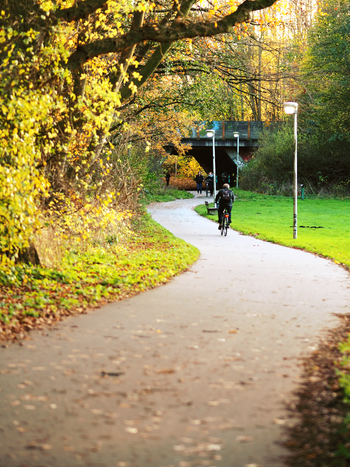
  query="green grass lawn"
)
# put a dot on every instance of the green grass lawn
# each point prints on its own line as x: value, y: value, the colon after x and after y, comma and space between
x: 323, y: 224
x: 31, y: 296
x: 162, y: 194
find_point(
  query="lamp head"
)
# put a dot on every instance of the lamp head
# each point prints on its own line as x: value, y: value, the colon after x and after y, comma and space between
x: 210, y: 133
x: 236, y: 134
x: 290, y: 108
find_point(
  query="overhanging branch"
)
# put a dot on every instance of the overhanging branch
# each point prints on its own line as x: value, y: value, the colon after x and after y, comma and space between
x: 179, y: 29
x: 81, y: 10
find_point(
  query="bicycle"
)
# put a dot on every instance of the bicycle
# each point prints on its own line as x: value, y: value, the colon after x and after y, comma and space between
x: 225, y: 222
x: 208, y: 189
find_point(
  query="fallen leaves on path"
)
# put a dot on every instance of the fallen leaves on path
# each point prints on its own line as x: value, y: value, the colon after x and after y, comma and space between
x: 243, y: 439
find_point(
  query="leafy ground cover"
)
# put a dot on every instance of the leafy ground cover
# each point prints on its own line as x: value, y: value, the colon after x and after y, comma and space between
x: 31, y: 297
x: 320, y: 436
x: 323, y: 224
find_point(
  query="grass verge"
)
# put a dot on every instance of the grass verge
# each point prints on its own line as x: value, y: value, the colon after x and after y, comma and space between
x: 162, y: 193
x: 31, y: 297
x: 323, y: 224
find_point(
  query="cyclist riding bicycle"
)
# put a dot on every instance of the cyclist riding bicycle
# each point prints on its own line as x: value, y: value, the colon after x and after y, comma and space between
x: 225, y: 198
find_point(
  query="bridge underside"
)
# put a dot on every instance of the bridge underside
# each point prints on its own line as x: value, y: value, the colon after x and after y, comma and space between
x: 227, y: 135
x: 225, y: 155
x: 204, y: 156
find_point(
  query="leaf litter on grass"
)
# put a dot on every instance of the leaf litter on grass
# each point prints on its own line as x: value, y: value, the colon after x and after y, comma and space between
x: 32, y: 297
x: 320, y: 435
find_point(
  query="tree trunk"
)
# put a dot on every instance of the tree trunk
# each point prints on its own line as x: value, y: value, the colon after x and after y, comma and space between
x: 28, y: 255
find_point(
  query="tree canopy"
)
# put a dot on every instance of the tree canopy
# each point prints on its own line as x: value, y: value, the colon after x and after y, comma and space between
x: 69, y: 119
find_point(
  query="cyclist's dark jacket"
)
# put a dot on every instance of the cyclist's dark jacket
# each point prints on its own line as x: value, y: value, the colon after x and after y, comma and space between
x: 221, y: 201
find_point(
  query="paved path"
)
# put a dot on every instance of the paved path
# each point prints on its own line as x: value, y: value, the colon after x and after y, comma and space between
x: 202, y: 366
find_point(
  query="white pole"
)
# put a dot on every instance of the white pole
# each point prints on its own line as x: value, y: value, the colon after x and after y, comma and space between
x: 237, y: 161
x: 292, y: 108
x: 214, y: 169
x: 295, y: 187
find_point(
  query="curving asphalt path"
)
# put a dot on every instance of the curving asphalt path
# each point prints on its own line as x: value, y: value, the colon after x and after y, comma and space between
x: 193, y: 373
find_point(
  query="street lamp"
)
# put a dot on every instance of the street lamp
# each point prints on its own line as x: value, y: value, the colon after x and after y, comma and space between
x: 211, y: 134
x: 291, y: 108
x: 236, y: 135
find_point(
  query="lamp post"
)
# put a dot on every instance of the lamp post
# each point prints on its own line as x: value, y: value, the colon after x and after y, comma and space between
x: 291, y: 108
x: 211, y: 134
x: 236, y: 135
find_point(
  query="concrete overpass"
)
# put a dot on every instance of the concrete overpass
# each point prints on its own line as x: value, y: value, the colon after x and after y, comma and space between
x: 225, y: 145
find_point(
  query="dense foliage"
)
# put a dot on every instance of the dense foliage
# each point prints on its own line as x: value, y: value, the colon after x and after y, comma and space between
x: 76, y: 140
x: 324, y: 117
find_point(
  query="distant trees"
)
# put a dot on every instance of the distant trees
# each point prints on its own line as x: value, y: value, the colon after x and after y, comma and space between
x: 322, y: 89
x: 326, y: 102
x: 248, y: 73
x: 326, y: 72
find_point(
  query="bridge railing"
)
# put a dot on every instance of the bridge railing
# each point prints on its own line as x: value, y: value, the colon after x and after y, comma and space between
x: 225, y: 129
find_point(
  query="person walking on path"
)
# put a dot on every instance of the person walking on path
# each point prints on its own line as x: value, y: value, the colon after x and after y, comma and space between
x: 224, y: 178
x: 225, y: 198
x: 199, y: 180
x: 210, y: 181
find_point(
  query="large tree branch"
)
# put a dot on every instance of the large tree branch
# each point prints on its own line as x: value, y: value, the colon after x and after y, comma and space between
x: 148, y: 69
x: 81, y: 10
x: 178, y: 30
x: 128, y: 53
x: 158, y: 55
